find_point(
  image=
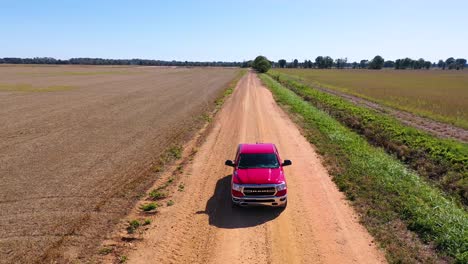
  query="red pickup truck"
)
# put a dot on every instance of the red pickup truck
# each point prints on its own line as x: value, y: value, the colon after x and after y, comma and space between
x: 258, y: 176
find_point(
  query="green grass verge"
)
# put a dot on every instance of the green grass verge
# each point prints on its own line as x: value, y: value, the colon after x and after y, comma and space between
x: 444, y: 162
x: 381, y: 187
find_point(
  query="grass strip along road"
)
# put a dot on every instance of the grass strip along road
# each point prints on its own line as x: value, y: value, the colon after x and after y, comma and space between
x: 382, y: 189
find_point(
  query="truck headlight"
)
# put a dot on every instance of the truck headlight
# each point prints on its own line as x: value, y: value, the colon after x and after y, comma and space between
x: 281, y: 187
x: 237, y: 187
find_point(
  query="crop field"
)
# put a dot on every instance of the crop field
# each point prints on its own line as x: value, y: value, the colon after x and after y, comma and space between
x: 77, y: 145
x: 440, y: 95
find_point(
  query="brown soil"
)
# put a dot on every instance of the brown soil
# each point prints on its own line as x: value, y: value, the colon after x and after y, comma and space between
x: 318, y: 226
x: 436, y: 128
x: 73, y: 162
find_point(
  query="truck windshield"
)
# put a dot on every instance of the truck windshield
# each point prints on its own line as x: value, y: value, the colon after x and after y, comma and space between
x: 263, y: 160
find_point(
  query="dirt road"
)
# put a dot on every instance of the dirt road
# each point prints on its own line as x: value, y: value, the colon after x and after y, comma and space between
x: 73, y: 162
x: 318, y: 226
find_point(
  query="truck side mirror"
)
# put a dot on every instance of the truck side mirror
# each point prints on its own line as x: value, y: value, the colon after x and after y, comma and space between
x: 229, y: 163
x: 286, y: 163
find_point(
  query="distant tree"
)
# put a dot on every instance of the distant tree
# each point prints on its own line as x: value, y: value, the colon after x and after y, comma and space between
x: 363, y: 64
x: 344, y: 62
x: 282, y: 63
x: 376, y: 63
x: 418, y: 64
x: 406, y: 63
x: 389, y: 64
x: 450, y: 63
x: 261, y: 64
x: 320, y: 62
x: 441, y: 64
x: 295, y: 63
x: 421, y: 63
x: 355, y: 65
x: 324, y: 62
x: 460, y: 63
x: 398, y: 64
x: 427, y: 65
x: 309, y: 64
x: 246, y: 64
x: 341, y: 63
x: 328, y: 62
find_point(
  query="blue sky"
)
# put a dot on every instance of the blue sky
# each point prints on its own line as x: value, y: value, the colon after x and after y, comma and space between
x: 234, y: 30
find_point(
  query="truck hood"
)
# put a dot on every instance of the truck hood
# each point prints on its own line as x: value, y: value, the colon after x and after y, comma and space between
x: 260, y: 176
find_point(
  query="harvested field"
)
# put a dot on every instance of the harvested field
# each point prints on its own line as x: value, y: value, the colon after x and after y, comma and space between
x: 74, y: 159
x: 440, y: 95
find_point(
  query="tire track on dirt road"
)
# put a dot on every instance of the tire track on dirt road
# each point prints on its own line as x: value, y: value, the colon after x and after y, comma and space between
x: 318, y: 226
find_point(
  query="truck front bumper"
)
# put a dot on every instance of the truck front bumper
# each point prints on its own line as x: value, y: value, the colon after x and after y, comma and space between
x: 276, y: 201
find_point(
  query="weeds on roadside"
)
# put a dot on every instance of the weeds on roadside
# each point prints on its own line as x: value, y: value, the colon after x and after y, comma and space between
x: 132, y: 226
x: 176, y: 152
x: 158, y: 194
x: 123, y: 259
x: 149, y: 207
x: 170, y: 203
x: 156, y: 168
x: 105, y: 251
x: 180, y: 168
x: 206, y: 117
x: 181, y: 187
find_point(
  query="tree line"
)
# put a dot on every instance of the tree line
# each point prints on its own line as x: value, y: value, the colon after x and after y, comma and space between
x: 377, y: 63
x: 321, y: 62
x: 100, y: 61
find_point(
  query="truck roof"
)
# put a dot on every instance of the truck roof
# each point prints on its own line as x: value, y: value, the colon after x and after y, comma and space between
x: 257, y: 148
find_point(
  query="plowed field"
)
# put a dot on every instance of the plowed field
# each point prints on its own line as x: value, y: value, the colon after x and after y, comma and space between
x: 77, y: 144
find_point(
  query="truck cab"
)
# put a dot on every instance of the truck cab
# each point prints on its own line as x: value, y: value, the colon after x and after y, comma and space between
x: 258, y: 177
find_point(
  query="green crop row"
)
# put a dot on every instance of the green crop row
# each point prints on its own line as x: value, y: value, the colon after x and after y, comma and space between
x: 444, y: 162
x: 382, y: 189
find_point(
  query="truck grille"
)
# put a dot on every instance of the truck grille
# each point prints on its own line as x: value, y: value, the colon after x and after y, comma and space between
x: 260, y: 191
